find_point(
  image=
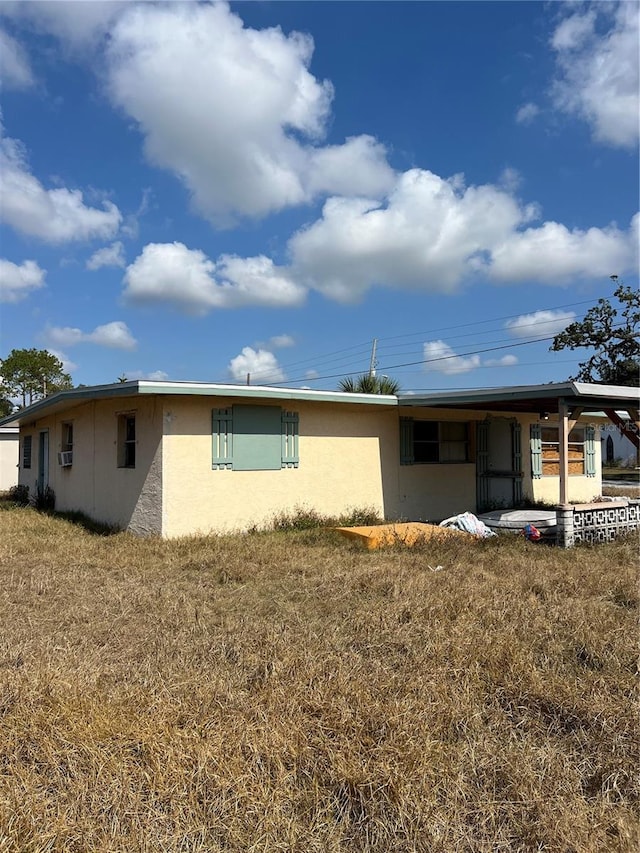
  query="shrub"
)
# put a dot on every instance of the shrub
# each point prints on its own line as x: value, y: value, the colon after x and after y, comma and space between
x: 307, y: 518
x: 45, y: 499
x: 300, y: 518
x: 19, y: 494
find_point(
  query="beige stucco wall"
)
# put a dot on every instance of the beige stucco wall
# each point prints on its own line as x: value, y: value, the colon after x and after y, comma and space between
x: 94, y: 484
x: 348, y: 457
x: 582, y: 489
x: 9, y: 447
x: 432, y: 492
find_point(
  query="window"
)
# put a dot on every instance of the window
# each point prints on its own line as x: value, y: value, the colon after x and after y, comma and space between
x: 433, y: 441
x: 27, y: 443
x: 545, y: 451
x: 126, y: 441
x: 66, y: 444
x: 254, y: 438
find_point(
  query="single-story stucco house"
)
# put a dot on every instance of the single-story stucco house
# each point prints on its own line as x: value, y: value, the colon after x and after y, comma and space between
x: 177, y: 458
x: 9, y: 454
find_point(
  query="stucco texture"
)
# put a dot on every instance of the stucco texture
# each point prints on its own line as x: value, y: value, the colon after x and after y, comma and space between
x: 94, y: 484
x: 347, y: 459
x: 9, y: 446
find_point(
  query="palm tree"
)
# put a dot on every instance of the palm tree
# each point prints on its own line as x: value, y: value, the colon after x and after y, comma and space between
x: 369, y: 384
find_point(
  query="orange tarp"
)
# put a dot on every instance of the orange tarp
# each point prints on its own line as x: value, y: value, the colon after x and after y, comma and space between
x: 407, y: 533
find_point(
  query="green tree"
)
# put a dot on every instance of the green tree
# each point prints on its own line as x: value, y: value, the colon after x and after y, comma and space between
x: 31, y: 374
x: 368, y: 384
x: 6, y: 406
x: 612, y: 332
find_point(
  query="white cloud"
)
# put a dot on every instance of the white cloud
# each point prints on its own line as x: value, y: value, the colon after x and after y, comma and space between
x: 18, y: 281
x: 15, y: 71
x: 67, y: 365
x: 261, y: 364
x: 428, y: 237
x: 282, y: 341
x: 540, y: 324
x: 441, y: 357
x: 552, y: 254
x: 527, y: 113
x: 598, y: 79
x: 155, y: 375
x: 109, y: 256
x: 510, y: 179
x: 54, y: 216
x: 504, y: 361
x: 187, y: 279
x: 78, y: 25
x: 115, y: 335
x: 232, y: 111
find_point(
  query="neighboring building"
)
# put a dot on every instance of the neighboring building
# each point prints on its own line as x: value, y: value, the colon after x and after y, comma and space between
x: 9, y: 444
x: 176, y: 458
x: 617, y: 449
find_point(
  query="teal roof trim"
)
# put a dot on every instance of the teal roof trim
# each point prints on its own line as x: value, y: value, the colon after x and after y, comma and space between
x: 62, y: 399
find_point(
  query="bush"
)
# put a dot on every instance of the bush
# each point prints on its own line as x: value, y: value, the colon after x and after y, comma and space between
x: 19, y: 495
x: 307, y: 518
x: 45, y: 499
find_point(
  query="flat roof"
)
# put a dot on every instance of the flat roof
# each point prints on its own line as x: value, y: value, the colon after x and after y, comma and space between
x: 529, y: 398
x: 518, y: 398
x: 139, y: 387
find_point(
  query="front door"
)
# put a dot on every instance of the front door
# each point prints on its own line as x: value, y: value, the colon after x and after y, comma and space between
x: 43, y: 461
x: 498, y: 464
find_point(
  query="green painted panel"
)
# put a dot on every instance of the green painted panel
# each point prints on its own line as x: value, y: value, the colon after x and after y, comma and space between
x: 257, y: 441
x: 406, y: 441
x: 222, y: 437
x: 590, y: 450
x: 290, y: 430
x: 535, y: 443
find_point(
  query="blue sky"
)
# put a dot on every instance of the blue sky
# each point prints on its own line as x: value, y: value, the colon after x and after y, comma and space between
x: 201, y: 191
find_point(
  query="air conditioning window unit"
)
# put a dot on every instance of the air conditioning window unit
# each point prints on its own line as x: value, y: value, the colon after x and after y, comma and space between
x: 65, y: 458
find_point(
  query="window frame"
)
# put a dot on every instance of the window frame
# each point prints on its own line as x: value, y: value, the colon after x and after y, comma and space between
x: 27, y: 452
x: 66, y: 436
x: 126, y: 444
x: 553, y: 462
x: 435, y: 444
x: 539, y: 461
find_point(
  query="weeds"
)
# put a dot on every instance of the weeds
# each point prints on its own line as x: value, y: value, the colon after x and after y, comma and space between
x: 18, y: 495
x: 305, y: 518
x: 293, y: 692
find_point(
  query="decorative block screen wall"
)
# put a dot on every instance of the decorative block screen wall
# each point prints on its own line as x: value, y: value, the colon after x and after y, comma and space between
x: 601, y: 523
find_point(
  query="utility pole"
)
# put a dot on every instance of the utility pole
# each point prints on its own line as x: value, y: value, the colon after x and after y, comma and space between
x: 373, y: 363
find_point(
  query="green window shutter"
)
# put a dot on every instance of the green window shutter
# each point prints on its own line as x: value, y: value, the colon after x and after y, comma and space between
x: 290, y: 432
x: 406, y: 441
x: 482, y: 447
x: 590, y: 451
x: 516, y: 443
x: 257, y: 438
x: 27, y: 444
x: 536, y: 451
x: 222, y: 434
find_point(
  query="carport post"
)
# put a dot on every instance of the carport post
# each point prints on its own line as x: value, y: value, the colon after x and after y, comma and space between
x: 564, y: 530
x: 563, y: 441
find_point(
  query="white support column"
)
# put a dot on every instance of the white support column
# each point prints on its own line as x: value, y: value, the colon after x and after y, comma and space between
x: 563, y: 441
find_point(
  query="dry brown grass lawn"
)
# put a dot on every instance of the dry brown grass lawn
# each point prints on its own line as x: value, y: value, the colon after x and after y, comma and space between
x: 293, y: 692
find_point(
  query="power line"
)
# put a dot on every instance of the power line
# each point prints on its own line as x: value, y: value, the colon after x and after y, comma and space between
x: 499, y: 346
x: 364, y: 347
